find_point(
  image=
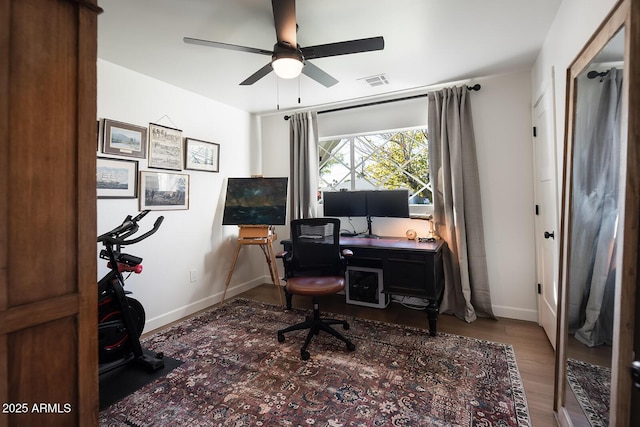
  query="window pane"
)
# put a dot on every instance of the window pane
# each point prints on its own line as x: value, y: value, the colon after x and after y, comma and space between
x: 386, y: 160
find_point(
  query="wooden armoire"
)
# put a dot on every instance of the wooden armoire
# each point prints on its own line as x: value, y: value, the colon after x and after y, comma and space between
x: 48, y: 314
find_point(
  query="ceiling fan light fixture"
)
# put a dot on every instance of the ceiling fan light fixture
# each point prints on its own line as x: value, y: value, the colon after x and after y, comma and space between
x: 287, y: 67
x: 287, y: 61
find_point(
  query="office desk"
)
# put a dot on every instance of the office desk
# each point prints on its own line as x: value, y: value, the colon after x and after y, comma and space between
x: 410, y: 268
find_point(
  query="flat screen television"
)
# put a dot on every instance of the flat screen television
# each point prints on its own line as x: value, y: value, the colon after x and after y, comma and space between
x: 388, y: 203
x: 345, y: 203
x: 255, y: 201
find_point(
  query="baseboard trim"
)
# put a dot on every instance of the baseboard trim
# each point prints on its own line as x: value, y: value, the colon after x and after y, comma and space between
x: 515, y: 313
x: 180, y: 313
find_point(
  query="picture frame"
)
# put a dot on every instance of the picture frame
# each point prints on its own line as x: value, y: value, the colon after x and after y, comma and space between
x: 164, y: 191
x: 124, y: 139
x: 202, y: 155
x: 165, y: 147
x: 116, y: 178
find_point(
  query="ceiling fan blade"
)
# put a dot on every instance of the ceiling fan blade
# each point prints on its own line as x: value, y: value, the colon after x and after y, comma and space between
x: 318, y: 75
x: 257, y: 75
x: 227, y: 46
x: 343, y: 48
x: 284, y: 18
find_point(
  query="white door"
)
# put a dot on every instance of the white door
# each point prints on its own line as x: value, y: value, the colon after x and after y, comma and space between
x: 546, y: 210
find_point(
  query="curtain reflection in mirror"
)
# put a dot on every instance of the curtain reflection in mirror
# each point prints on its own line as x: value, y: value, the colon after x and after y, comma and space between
x: 595, y: 208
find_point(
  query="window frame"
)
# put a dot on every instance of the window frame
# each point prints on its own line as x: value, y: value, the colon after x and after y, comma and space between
x: 352, y: 176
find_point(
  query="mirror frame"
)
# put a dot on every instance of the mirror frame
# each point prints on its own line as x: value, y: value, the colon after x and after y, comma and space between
x: 625, y: 14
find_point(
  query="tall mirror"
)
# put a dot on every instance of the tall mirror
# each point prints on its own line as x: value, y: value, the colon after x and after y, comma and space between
x: 595, y: 329
x: 594, y: 218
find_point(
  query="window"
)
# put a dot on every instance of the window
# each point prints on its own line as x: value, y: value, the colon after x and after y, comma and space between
x: 385, y: 160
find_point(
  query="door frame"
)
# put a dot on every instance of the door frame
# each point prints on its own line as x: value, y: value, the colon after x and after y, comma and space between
x: 546, y: 91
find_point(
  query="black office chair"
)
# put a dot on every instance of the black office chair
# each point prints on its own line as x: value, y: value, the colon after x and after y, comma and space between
x: 315, y: 267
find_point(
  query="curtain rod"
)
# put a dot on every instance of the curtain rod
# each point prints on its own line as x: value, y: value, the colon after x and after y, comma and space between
x: 475, y: 87
x: 595, y: 74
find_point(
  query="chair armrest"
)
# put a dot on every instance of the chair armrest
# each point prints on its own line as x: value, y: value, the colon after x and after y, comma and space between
x: 347, y: 252
x: 282, y: 254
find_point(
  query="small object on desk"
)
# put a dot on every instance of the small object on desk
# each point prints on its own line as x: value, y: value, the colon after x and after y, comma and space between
x: 426, y: 239
x: 411, y: 234
x: 347, y: 234
x: 432, y: 236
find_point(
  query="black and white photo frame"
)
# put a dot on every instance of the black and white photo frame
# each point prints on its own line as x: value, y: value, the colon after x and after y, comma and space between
x: 165, y: 147
x: 116, y: 178
x: 202, y: 155
x: 164, y: 191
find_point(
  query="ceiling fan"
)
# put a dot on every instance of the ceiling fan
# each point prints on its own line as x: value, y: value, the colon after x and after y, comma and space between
x: 288, y: 59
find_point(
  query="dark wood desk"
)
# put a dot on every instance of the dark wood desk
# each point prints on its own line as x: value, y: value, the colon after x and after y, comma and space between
x: 410, y: 268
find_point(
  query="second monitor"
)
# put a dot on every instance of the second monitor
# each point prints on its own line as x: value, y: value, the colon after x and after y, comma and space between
x: 388, y: 203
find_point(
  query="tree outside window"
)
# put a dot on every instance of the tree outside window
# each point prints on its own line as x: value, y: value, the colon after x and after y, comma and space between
x: 386, y: 160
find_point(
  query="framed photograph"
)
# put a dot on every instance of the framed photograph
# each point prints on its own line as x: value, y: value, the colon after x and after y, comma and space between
x: 202, y: 155
x: 116, y: 179
x: 164, y: 191
x: 165, y: 147
x: 124, y: 139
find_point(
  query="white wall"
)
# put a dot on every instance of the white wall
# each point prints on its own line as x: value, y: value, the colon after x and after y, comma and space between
x: 192, y: 239
x: 502, y: 121
x: 573, y: 26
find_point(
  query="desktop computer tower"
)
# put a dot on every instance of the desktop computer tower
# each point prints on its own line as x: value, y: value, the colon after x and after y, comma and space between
x: 364, y: 287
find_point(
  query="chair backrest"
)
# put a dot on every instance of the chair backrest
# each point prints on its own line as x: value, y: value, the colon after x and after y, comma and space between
x: 316, y: 247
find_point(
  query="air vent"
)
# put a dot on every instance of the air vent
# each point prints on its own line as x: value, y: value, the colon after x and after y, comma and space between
x: 377, y: 80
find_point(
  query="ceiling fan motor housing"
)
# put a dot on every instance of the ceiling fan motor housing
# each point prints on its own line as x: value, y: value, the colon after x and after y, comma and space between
x: 285, y: 50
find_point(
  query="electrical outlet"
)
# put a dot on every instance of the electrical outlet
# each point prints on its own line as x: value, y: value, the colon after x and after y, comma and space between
x: 192, y: 276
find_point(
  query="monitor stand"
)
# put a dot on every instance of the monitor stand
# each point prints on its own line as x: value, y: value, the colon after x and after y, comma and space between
x: 369, y: 235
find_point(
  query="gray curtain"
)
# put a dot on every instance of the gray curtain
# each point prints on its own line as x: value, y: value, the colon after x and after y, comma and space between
x: 594, y: 208
x: 303, y: 133
x: 457, y: 207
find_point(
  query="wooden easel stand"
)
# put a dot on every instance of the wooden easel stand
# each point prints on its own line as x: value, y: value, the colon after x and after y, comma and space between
x: 257, y: 235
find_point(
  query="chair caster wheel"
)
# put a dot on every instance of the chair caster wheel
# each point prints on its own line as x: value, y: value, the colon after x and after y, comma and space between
x: 304, y: 355
x: 280, y: 337
x: 345, y: 326
x: 351, y: 346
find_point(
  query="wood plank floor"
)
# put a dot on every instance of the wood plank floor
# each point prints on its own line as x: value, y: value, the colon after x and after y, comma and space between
x: 534, y: 354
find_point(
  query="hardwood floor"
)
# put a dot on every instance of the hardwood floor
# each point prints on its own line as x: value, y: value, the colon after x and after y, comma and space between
x: 534, y: 354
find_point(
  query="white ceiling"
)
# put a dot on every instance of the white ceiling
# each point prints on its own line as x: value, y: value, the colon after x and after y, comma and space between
x: 427, y: 42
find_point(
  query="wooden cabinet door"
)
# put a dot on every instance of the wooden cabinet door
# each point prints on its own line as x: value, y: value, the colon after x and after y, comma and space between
x: 48, y: 313
x: 408, y: 274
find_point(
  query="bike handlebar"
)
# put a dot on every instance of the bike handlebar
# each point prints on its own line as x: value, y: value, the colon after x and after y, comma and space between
x: 129, y: 227
x: 141, y: 215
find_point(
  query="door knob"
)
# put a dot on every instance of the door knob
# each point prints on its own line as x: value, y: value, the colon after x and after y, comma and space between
x: 547, y: 235
x: 635, y: 374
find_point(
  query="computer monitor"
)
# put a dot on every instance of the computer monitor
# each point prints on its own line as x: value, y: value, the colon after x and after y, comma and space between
x: 345, y: 203
x: 388, y: 203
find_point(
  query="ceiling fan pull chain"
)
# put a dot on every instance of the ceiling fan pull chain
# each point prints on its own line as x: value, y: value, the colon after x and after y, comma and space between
x: 298, y: 90
x: 277, y: 93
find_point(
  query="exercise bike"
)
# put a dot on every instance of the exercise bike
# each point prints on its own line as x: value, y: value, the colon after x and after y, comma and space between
x: 121, y: 318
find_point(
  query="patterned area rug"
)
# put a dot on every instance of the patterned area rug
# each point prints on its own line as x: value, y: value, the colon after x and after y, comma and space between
x: 236, y: 373
x: 591, y: 385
